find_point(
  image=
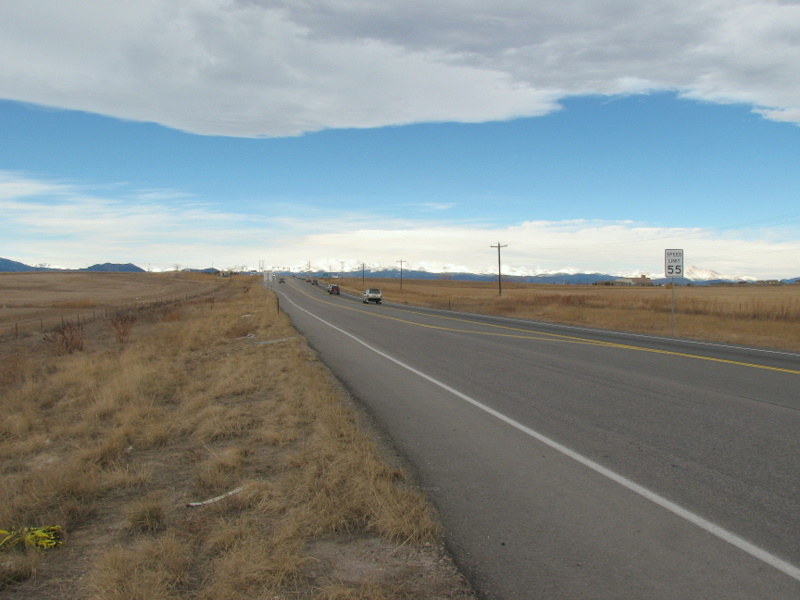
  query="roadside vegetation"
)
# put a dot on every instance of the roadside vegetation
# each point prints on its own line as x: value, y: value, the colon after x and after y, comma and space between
x: 198, y: 449
x: 194, y: 447
x: 752, y: 315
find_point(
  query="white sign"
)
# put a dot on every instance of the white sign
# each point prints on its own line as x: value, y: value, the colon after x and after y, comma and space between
x: 673, y: 263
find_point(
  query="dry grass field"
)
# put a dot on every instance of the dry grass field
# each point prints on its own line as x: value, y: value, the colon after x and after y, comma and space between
x: 36, y: 301
x: 112, y: 428
x: 763, y: 316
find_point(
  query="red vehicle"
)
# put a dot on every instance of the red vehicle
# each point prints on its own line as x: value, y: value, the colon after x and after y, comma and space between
x: 333, y: 289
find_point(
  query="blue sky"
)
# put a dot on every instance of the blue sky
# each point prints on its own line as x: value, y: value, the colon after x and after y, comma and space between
x: 405, y: 133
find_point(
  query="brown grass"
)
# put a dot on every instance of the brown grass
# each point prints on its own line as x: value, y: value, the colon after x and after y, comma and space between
x: 18, y: 566
x: 766, y: 316
x: 112, y: 443
x: 79, y: 303
x: 148, y: 515
x: 34, y: 303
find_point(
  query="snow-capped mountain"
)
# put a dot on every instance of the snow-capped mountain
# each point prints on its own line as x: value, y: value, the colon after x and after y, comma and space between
x: 698, y: 274
x: 426, y: 270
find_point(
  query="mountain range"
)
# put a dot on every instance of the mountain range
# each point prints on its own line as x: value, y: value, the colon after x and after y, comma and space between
x: 322, y: 267
x: 694, y: 276
x: 11, y: 266
x: 551, y: 278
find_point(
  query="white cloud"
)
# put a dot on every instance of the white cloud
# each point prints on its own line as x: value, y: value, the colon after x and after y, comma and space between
x: 13, y: 185
x: 560, y: 246
x: 266, y: 68
x: 47, y: 222
x: 433, y: 206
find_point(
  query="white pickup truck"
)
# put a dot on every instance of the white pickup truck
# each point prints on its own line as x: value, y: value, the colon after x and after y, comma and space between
x: 372, y: 295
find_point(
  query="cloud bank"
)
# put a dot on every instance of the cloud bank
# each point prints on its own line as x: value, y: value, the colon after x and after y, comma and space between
x: 73, y: 226
x: 255, y: 68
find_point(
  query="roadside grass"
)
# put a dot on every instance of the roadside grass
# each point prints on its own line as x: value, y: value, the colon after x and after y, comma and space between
x: 36, y: 302
x: 765, y: 316
x: 115, y: 441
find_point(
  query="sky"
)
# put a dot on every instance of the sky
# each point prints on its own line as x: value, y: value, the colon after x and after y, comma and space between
x: 582, y: 136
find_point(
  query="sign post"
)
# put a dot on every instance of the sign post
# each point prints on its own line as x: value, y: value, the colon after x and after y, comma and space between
x: 673, y: 267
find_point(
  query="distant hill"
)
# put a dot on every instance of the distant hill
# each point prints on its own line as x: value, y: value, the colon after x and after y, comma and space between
x: 12, y: 266
x: 207, y: 270
x: 559, y: 278
x: 115, y: 268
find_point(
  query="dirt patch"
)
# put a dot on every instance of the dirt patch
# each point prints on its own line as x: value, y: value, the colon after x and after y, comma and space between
x: 407, y: 571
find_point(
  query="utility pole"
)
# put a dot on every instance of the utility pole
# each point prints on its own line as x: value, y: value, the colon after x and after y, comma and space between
x: 401, y: 273
x: 363, y: 269
x: 499, y: 276
x: 341, y: 270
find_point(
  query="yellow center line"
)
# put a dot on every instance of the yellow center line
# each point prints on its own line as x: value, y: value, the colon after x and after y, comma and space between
x: 541, y: 336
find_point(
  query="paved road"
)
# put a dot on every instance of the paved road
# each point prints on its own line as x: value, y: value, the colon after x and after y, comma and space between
x: 571, y: 463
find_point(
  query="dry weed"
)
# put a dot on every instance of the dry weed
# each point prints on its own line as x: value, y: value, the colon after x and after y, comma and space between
x: 128, y: 476
x: 122, y: 322
x: 109, y: 451
x: 66, y: 338
x: 256, y: 564
x: 18, y: 566
x: 225, y: 534
x: 45, y: 495
x: 14, y: 367
x: 219, y: 422
x: 172, y: 315
x: 146, y: 516
x: 223, y: 471
x: 150, y: 570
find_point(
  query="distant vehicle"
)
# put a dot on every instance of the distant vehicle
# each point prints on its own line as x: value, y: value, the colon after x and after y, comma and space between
x: 314, y: 282
x: 308, y: 279
x: 281, y: 280
x: 333, y: 289
x: 372, y: 295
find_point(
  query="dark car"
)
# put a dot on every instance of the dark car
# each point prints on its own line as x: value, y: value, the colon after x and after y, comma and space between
x: 333, y: 289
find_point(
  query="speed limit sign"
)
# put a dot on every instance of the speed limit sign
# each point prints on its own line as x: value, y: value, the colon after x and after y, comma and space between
x: 673, y: 263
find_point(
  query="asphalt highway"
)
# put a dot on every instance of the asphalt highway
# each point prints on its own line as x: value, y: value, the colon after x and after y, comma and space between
x: 570, y: 463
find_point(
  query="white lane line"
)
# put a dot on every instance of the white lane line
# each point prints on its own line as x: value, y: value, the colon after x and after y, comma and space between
x: 712, y: 528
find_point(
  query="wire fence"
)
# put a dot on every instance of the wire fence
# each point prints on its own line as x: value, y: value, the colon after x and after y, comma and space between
x: 40, y: 325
